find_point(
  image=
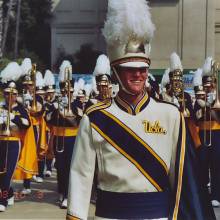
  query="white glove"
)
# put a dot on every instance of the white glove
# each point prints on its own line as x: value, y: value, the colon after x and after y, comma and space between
x: 64, y: 101
x: 201, y: 103
x: 55, y: 104
x: 1, y: 120
x: 27, y: 97
x: 4, y: 113
x: 210, y: 98
x: 176, y: 102
x: 12, y: 116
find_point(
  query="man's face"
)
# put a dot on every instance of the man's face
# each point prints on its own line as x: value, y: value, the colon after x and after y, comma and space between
x: 29, y: 88
x: 133, y: 79
x: 13, y: 97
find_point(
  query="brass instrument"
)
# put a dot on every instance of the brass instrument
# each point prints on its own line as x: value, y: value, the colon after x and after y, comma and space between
x: 216, y: 105
x: 215, y: 68
x: 7, y: 132
x: 68, y: 77
x: 34, y: 110
x: 207, y: 141
x: 59, y: 150
x: 178, y: 92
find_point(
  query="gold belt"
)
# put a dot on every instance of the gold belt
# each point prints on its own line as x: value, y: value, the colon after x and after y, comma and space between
x: 64, y: 131
x: 213, y: 125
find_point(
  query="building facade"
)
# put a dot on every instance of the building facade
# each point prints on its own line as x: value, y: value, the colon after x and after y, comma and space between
x: 189, y: 27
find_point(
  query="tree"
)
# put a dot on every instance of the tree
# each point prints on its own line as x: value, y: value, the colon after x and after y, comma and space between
x: 34, y: 34
x: 1, y: 27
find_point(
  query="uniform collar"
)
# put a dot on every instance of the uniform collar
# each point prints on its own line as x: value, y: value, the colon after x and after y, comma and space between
x: 132, y: 110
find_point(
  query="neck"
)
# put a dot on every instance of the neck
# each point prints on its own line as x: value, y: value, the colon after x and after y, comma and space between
x: 131, y: 99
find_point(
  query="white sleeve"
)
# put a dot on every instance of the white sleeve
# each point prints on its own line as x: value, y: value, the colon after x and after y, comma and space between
x: 176, y: 135
x: 81, y: 171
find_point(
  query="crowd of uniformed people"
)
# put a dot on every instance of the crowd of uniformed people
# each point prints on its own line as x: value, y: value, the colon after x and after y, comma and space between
x: 107, y: 152
x: 39, y: 124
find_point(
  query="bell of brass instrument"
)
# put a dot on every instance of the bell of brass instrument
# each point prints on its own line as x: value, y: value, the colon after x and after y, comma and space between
x: 68, y: 77
x: 215, y: 69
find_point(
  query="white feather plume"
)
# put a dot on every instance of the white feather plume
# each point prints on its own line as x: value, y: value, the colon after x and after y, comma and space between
x: 102, y: 66
x: 81, y: 83
x: 26, y: 66
x: 128, y: 19
x: 12, y: 72
x: 49, y: 78
x: 175, y: 62
x: 65, y: 64
x: 197, y: 78
x: 94, y: 86
x: 75, y: 92
x: 88, y: 89
x: 207, y: 67
x: 39, y: 79
x: 165, y: 79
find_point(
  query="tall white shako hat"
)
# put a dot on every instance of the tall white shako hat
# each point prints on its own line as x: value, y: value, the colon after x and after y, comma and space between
x: 197, y: 82
x: 80, y: 88
x: 102, y: 70
x: 165, y: 79
x: 9, y: 75
x: 207, y: 77
x: 49, y: 81
x: 40, y: 84
x: 128, y: 32
x: 26, y: 67
x: 176, y: 68
x: 63, y: 76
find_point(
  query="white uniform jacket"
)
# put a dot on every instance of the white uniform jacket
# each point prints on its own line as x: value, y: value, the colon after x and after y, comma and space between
x: 151, y: 128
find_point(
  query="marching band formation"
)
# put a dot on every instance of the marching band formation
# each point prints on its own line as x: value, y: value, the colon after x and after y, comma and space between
x: 148, y: 149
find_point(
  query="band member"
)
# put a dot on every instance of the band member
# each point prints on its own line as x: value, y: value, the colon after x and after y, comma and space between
x: 103, y: 81
x: 208, y: 120
x: 144, y: 167
x: 50, y: 100
x: 13, y: 120
x: 152, y: 87
x: 64, y: 121
x: 166, y: 87
x: 34, y: 105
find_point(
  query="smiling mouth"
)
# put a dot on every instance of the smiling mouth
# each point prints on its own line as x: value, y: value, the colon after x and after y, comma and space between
x: 135, y: 81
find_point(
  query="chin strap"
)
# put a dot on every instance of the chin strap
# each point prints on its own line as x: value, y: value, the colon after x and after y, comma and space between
x: 120, y: 82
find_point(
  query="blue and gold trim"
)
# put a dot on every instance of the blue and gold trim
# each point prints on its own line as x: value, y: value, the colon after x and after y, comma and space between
x: 179, y: 172
x: 131, y: 146
x: 100, y: 105
x: 132, y: 110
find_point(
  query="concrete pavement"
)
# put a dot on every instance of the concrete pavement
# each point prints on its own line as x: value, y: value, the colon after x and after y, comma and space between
x: 43, y: 204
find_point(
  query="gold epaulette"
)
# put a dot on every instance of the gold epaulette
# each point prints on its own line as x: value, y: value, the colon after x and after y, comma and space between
x: 98, y: 106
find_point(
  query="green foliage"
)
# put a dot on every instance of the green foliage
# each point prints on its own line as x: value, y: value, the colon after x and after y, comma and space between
x: 83, y: 61
x: 34, y: 35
